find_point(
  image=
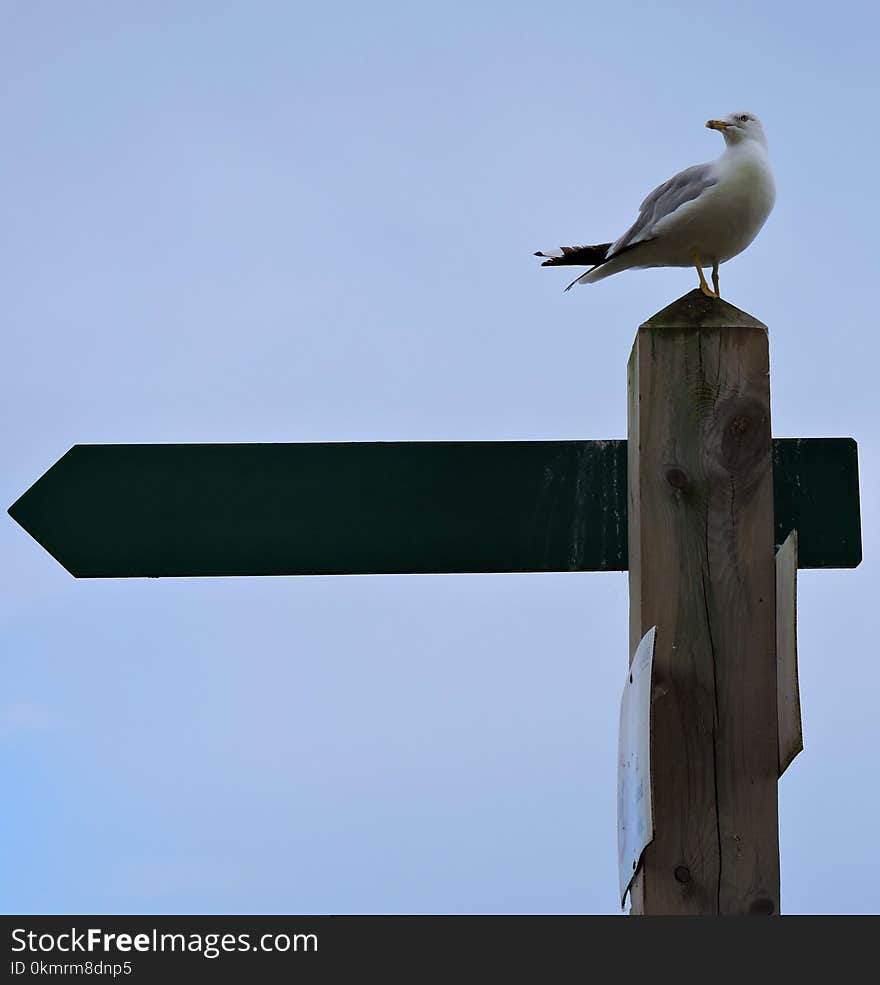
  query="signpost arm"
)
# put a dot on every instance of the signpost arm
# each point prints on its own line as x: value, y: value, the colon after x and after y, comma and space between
x: 701, y: 568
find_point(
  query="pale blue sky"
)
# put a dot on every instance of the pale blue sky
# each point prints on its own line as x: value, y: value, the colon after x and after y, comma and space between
x: 277, y: 221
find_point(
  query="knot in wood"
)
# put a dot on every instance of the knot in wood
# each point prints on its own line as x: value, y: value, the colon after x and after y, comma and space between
x: 745, y: 435
x: 682, y: 873
x: 677, y: 478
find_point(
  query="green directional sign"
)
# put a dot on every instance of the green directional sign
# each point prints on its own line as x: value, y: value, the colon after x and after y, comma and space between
x: 283, y: 509
x: 816, y: 492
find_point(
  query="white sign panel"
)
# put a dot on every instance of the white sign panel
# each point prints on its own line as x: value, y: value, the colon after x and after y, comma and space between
x: 635, y: 823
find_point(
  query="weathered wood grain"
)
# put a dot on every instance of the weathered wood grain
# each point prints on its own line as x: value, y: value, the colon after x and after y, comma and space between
x: 701, y: 568
x: 788, y: 698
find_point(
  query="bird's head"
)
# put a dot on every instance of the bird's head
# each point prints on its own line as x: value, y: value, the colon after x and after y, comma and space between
x: 738, y: 127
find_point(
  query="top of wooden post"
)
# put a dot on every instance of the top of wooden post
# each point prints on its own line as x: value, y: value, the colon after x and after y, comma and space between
x: 695, y: 310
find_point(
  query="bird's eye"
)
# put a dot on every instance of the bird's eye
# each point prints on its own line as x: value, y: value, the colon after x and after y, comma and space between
x: 744, y: 118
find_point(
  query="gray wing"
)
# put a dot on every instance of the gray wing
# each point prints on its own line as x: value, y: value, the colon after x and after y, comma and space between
x: 663, y: 201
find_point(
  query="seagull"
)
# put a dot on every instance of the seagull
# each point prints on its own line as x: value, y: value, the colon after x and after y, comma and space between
x: 703, y: 216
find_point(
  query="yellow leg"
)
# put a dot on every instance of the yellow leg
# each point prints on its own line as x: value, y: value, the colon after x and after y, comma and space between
x: 704, y: 287
x: 715, y: 280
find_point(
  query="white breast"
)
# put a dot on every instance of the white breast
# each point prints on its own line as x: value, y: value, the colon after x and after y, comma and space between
x: 725, y: 218
x: 742, y: 200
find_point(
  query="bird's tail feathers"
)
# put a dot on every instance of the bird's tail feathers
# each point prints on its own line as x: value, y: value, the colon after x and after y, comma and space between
x: 591, y: 276
x: 620, y: 261
x: 576, y: 256
x: 579, y: 280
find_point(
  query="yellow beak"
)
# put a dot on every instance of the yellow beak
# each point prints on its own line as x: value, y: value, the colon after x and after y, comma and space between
x: 717, y: 125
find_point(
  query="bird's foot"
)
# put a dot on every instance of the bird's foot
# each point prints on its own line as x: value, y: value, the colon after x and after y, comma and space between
x: 704, y: 286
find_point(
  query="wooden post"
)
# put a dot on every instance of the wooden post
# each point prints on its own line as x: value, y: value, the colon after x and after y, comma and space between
x: 701, y: 568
